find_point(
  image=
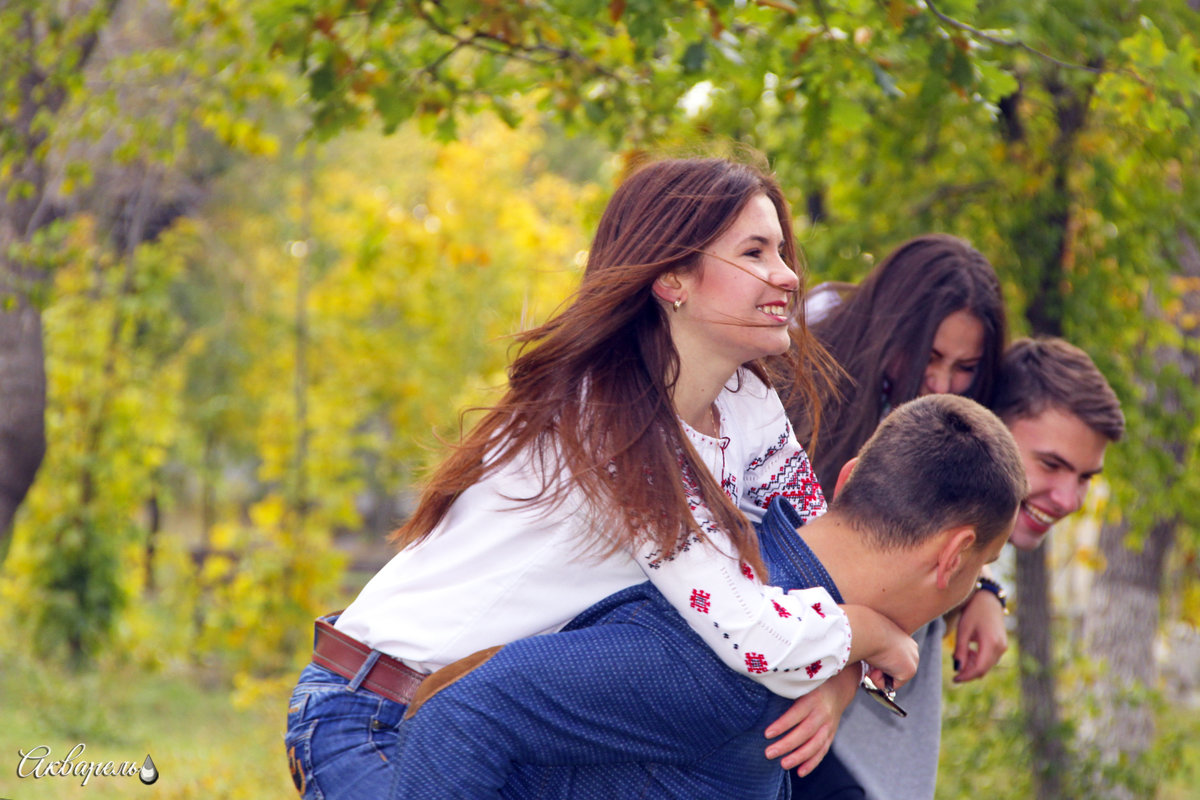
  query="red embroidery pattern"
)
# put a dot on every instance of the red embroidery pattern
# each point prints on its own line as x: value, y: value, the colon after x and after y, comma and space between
x: 813, y: 668
x: 781, y: 611
x: 784, y: 470
x: 817, y: 608
x: 700, y: 600
x: 755, y: 662
x: 749, y: 573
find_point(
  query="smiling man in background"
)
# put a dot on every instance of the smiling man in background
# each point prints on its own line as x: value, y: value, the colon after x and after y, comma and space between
x: 1063, y: 414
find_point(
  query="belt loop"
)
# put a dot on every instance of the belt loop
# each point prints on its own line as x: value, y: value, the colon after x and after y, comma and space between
x: 364, y: 671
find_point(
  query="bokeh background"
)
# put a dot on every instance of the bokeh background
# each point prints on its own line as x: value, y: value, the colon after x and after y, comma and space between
x: 258, y: 256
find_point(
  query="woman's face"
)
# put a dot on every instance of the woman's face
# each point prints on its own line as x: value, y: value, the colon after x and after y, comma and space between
x: 739, y: 299
x: 957, y: 350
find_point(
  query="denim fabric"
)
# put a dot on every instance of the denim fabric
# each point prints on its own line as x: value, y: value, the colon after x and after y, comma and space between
x: 626, y: 702
x: 340, y: 740
x: 790, y: 563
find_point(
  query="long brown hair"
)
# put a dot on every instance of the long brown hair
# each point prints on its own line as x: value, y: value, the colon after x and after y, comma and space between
x: 589, y: 392
x: 884, y: 329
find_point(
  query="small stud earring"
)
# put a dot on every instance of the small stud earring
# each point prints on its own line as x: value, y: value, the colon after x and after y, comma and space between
x: 678, y: 302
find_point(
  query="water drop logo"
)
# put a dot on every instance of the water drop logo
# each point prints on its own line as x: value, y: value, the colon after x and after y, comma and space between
x: 148, y: 772
x: 38, y: 762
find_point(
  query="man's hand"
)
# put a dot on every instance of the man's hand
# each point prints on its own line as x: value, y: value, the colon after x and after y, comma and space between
x: 810, y: 724
x: 981, y: 637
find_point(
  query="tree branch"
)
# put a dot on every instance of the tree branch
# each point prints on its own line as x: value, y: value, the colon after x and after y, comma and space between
x: 1013, y: 43
x: 87, y: 44
x: 497, y: 45
x: 947, y: 193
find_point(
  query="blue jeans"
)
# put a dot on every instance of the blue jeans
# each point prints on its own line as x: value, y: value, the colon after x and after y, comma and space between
x: 341, y: 739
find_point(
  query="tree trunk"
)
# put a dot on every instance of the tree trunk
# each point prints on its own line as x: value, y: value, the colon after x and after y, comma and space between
x: 1046, y: 245
x: 26, y: 206
x: 1123, y: 608
x: 1038, y: 675
x: 22, y: 425
x: 1119, y: 629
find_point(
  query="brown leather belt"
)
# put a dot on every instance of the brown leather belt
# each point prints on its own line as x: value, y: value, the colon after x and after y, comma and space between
x: 390, y: 678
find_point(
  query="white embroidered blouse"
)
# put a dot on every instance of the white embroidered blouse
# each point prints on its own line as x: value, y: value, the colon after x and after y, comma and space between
x: 496, y: 570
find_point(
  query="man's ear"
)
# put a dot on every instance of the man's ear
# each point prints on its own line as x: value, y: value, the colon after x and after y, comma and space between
x: 956, y: 543
x: 843, y: 474
x: 668, y: 288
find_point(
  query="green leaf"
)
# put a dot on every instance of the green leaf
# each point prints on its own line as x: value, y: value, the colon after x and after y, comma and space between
x: 323, y: 80
x: 961, y: 72
x: 395, y: 104
x: 884, y: 81
x: 695, y: 57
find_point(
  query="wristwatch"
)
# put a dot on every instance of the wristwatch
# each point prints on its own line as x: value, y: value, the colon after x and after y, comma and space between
x: 989, y: 585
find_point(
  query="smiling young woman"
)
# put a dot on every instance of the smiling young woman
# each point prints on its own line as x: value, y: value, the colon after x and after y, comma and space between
x: 638, y: 439
x: 735, y: 307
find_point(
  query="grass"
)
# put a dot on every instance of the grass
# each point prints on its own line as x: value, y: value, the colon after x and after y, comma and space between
x: 209, y: 741
x: 202, y: 744
x: 1180, y: 782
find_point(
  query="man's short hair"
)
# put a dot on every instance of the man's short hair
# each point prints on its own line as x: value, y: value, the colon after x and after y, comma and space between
x: 1048, y: 372
x: 938, y: 462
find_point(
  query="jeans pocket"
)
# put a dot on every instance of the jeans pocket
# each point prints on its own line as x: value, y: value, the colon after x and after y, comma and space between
x: 341, y: 743
x: 297, y: 741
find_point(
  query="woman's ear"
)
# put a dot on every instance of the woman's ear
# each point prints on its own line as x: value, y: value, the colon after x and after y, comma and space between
x: 668, y: 288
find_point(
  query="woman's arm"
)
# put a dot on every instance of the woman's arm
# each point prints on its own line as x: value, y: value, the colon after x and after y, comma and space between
x: 790, y: 642
x: 804, y: 733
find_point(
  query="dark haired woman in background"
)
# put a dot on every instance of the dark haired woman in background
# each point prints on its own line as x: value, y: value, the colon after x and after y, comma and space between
x: 928, y: 319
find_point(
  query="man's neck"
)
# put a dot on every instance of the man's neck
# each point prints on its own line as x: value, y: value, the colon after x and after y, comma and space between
x: 859, y: 570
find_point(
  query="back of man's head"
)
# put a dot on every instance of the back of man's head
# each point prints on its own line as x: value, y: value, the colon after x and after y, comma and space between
x: 935, y: 463
x: 1048, y: 372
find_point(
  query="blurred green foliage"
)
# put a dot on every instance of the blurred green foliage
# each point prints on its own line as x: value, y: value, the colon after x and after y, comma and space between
x: 985, y: 749
x: 231, y: 401
x: 206, y: 454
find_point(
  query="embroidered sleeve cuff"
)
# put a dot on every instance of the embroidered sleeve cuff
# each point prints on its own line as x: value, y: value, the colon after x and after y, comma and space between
x: 813, y: 647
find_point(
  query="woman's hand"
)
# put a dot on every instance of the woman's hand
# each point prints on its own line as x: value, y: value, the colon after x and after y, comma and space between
x: 882, y: 644
x: 806, y: 729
